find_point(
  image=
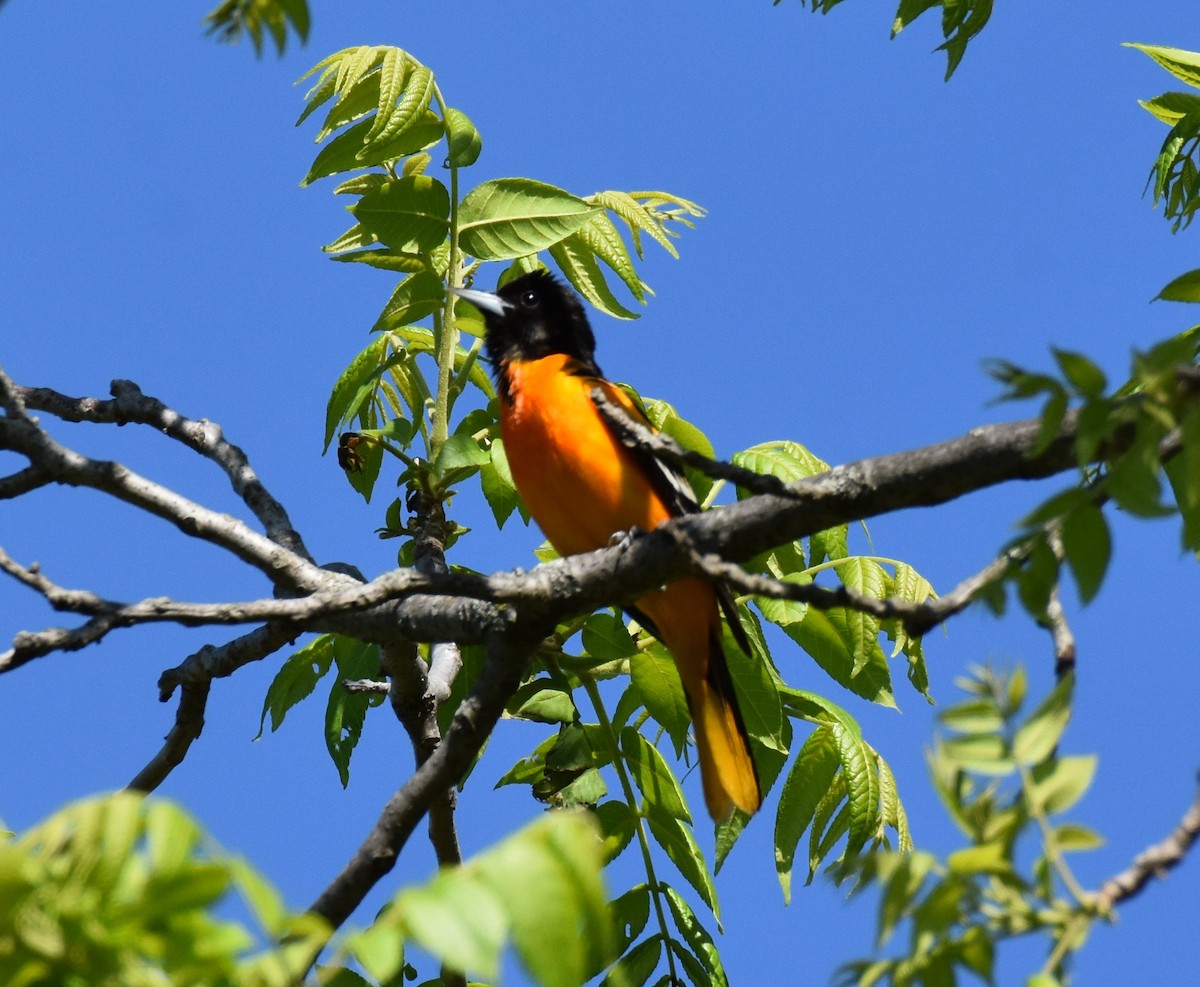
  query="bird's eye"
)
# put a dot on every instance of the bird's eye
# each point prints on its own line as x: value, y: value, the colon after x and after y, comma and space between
x: 529, y: 299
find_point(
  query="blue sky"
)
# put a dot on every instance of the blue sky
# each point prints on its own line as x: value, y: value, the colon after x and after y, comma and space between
x: 874, y: 234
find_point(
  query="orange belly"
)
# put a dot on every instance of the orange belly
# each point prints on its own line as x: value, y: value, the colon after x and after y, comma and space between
x: 579, y: 483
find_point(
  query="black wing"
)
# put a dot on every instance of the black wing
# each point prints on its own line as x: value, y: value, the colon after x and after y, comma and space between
x: 672, y: 486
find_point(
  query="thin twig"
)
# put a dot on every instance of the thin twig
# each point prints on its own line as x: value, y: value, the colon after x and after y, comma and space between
x: 189, y: 721
x: 130, y: 405
x: 633, y: 435
x: 1055, y: 619
x: 371, y: 687
x: 19, y: 433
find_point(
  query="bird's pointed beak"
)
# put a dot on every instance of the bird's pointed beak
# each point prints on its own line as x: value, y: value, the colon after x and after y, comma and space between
x: 485, y: 301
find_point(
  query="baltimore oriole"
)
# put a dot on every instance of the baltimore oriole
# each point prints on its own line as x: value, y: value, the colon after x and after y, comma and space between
x: 582, y: 486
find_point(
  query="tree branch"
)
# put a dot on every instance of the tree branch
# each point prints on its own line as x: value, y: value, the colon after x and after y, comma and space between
x: 204, y: 437
x: 19, y: 433
x: 189, y: 721
x: 507, y: 656
x: 384, y: 607
x: 1154, y: 861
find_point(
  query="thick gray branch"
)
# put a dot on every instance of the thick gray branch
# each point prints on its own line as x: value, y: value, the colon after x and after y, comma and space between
x: 380, y: 609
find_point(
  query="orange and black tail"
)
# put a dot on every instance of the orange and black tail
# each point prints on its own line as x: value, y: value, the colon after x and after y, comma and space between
x: 726, y: 768
x: 685, y: 617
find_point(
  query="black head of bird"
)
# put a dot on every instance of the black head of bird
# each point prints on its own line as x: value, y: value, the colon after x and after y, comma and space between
x: 532, y: 317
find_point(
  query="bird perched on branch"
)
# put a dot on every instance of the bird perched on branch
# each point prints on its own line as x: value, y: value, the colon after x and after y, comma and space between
x: 582, y: 485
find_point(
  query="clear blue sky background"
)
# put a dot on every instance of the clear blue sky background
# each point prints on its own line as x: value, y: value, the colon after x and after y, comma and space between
x: 873, y: 235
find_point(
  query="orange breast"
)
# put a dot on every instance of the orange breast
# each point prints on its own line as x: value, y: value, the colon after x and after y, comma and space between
x: 579, y: 483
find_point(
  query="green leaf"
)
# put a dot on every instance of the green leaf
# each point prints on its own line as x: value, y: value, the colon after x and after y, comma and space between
x: 461, y: 921
x: 354, y: 386
x: 807, y: 782
x: 1184, y: 65
x: 1071, y: 837
x: 543, y: 701
x: 1037, y: 578
x: 982, y: 753
x: 541, y: 888
x: 618, y: 824
x: 416, y: 297
x: 634, y: 968
x: 1038, y: 736
x: 265, y: 901
x: 758, y: 695
x: 1087, y: 547
x: 295, y: 680
x: 785, y: 612
x: 1082, y: 374
x: 605, y: 241
x: 1171, y: 107
x: 1060, y: 783
x: 675, y: 837
x: 464, y: 140
x: 978, y: 716
x: 654, y: 779
x: 1133, y: 479
x: 891, y: 809
x: 578, y: 264
x: 1183, y: 473
x: 697, y: 938
x: 406, y: 214
x: 353, y: 103
x: 460, y: 451
x: 394, y: 69
x: 1053, y: 413
x: 347, y: 151
x: 836, y: 642
x: 988, y: 858
x: 513, y: 217
x: 660, y: 689
x: 498, y: 487
x: 862, y: 785
x: 383, y: 259
x: 788, y: 460
x: 346, y: 712
x: 1185, y: 288
x: 393, y: 121
x: 605, y: 636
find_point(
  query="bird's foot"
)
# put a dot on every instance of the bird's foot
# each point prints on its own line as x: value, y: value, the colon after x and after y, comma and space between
x: 623, y: 538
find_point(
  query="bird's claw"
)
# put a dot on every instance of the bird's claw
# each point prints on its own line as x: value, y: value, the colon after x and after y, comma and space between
x: 623, y: 538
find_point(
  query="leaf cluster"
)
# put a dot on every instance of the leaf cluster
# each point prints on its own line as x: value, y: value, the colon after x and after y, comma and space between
x: 1003, y: 782
x: 1127, y: 441
x: 118, y: 891
x: 231, y: 20
x: 1175, y: 177
x: 962, y: 20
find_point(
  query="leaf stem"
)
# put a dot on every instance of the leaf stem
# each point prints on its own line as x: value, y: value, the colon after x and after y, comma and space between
x: 1050, y: 842
x: 444, y: 330
x: 593, y: 691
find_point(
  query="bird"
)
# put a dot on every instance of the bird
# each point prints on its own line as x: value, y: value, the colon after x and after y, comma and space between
x: 583, y: 486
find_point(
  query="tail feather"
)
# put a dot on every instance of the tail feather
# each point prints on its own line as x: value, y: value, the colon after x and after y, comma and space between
x: 726, y: 767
